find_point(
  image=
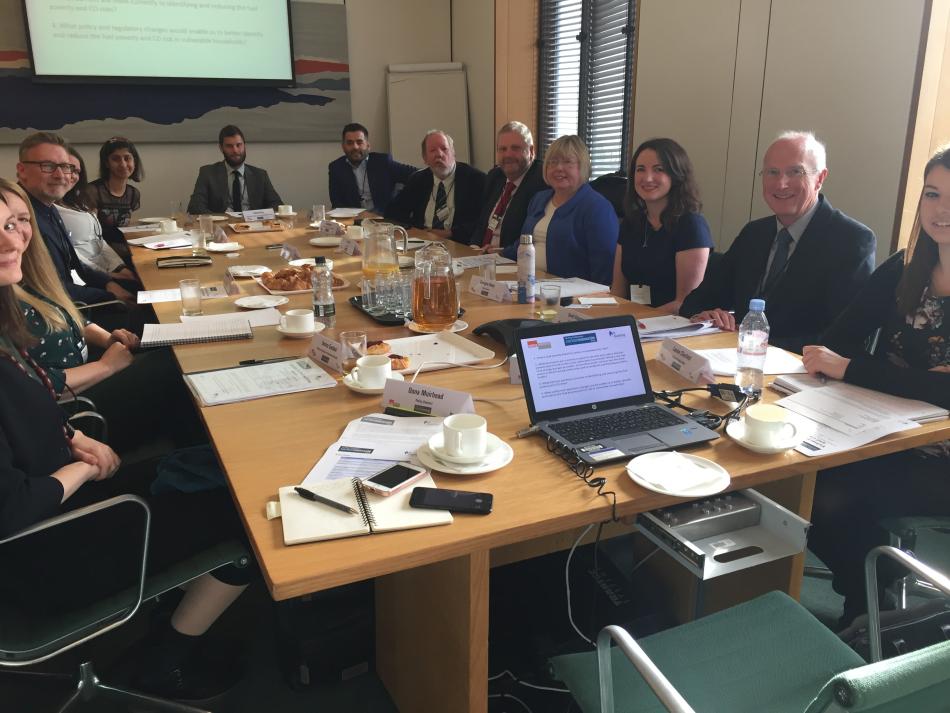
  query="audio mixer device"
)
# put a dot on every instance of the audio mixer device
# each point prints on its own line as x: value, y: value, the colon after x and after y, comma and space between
x: 725, y: 533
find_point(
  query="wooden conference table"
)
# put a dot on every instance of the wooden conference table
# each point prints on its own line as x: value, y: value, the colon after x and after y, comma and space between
x: 432, y: 583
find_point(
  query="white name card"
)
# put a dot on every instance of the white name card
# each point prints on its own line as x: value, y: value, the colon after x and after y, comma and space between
x: 686, y: 362
x: 262, y: 214
x: 350, y: 246
x: 514, y: 373
x: 326, y: 352
x: 489, y: 289
x: 230, y: 284
x: 426, y: 399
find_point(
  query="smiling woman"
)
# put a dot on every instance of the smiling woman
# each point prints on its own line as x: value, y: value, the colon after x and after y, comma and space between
x: 111, y: 194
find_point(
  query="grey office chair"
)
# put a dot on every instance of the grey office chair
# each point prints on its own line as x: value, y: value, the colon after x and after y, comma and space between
x: 26, y: 638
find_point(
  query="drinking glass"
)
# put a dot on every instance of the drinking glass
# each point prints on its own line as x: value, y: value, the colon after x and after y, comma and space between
x: 370, y: 297
x: 487, y: 268
x: 318, y: 213
x: 190, y: 297
x: 354, y: 346
x: 202, y: 235
x: 549, y: 302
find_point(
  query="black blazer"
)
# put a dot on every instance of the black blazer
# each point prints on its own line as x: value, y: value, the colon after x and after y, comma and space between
x: 383, y: 175
x: 212, y: 192
x: 409, y: 206
x: 833, y: 258
x: 517, y: 210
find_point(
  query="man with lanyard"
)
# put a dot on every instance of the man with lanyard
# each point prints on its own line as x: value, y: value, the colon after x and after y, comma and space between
x: 364, y: 179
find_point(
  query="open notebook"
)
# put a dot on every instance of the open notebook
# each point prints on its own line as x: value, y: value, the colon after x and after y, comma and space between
x: 306, y: 521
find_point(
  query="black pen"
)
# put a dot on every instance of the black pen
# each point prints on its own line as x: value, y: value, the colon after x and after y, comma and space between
x: 313, y: 497
x: 251, y: 362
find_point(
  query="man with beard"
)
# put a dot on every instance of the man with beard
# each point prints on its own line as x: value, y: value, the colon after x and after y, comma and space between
x: 509, y: 188
x: 364, y: 179
x: 232, y: 184
x: 443, y: 198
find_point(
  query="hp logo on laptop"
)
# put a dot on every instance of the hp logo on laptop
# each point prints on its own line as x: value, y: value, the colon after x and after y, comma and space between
x: 593, y: 407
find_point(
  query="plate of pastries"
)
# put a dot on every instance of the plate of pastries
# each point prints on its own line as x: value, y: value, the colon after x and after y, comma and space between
x: 294, y: 280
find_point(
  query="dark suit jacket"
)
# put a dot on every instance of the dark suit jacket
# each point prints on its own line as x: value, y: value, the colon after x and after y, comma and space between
x: 409, y: 206
x: 833, y: 258
x: 212, y: 192
x: 513, y: 219
x: 383, y: 174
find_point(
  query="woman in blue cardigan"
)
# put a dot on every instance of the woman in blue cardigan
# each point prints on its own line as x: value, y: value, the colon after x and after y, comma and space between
x: 574, y: 227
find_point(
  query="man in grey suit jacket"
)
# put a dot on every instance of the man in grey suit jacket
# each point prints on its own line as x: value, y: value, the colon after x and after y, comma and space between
x: 806, y: 261
x: 232, y: 184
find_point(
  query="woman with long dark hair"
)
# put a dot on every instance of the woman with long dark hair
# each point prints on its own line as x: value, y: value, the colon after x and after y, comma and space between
x: 664, y: 239
x: 908, y: 300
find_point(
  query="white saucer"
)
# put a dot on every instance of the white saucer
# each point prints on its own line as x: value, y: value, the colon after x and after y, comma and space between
x: 437, y: 443
x: 299, y: 262
x: 719, y: 477
x: 326, y: 242
x: 247, y: 270
x: 223, y: 247
x: 219, y: 218
x: 736, y: 431
x: 459, y: 326
x: 153, y: 219
x: 278, y: 216
x: 318, y: 327
x: 261, y: 301
x: 499, y: 459
x: 353, y: 385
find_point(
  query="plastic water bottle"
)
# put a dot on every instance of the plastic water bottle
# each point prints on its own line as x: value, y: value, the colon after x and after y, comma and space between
x: 526, y: 270
x: 324, y: 305
x: 753, y: 345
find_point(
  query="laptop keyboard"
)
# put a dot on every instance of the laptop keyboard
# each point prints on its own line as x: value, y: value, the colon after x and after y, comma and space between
x: 618, y: 423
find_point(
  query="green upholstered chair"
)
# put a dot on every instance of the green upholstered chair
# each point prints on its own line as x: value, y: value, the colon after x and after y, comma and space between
x: 768, y: 655
x: 27, y: 638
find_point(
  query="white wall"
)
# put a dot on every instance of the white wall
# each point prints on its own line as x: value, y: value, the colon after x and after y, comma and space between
x: 378, y: 33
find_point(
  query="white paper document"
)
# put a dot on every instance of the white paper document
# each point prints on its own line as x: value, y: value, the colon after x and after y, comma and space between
x: 597, y: 300
x: 344, y: 212
x: 777, y: 361
x: 570, y: 286
x: 181, y: 238
x: 147, y: 297
x: 825, y: 440
x: 372, y: 443
x: 470, y: 261
x: 673, y: 326
x: 852, y: 414
x: 224, y: 386
x: 141, y: 228
x: 256, y: 318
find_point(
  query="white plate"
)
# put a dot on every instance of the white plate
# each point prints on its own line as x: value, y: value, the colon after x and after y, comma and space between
x: 285, y: 215
x: 437, y: 443
x: 218, y: 218
x: 353, y: 385
x: 153, y: 220
x: 223, y: 247
x: 718, y: 481
x: 499, y: 459
x: 344, y: 283
x: 299, y: 262
x: 318, y: 327
x: 261, y: 301
x: 247, y: 270
x: 414, y: 243
x: 326, y: 242
x: 459, y: 326
x: 736, y: 431
x: 437, y: 351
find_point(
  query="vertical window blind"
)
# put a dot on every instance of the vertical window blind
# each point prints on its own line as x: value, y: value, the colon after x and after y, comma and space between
x: 586, y: 50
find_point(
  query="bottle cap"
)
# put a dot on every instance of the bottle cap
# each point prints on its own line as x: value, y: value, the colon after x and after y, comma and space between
x: 527, y: 239
x: 320, y: 260
x: 756, y: 305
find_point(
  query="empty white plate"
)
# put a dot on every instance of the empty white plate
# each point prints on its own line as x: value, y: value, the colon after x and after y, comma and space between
x: 261, y: 301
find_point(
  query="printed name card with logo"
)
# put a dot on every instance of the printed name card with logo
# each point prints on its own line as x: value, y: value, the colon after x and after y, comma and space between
x: 426, y: 399
x: 327, y: 352
x: 685, y: 361
x: 489, y: 289
x: 350, y: 246
x: 251, y: 216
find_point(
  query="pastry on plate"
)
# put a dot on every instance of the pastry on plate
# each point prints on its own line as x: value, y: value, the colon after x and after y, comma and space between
x: 399, y: 362
x: 377, y: 347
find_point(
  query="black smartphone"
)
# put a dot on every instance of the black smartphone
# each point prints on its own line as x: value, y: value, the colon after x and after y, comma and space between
x: 451, y: 500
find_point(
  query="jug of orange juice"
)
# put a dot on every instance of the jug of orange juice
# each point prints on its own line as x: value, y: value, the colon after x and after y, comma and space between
x: 379, y: 248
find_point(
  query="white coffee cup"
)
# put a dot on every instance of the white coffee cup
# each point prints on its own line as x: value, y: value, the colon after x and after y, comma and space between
x: 297, y: 320
x: 768, y: 424
x: 465, y: 435
x: 355, y: 232
x: 372, y: 370
x: 169, y: 225
x: 285, y: 209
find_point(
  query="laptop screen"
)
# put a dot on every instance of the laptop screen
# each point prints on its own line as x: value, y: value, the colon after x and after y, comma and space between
x: 581, y: 365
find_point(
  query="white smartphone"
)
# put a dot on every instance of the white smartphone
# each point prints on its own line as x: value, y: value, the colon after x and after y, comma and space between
x: 393, y: 479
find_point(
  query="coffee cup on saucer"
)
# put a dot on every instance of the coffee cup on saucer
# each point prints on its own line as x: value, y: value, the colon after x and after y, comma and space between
x: 372, y: 370
x: 354, y: 232
x: 767, y: 425
x: 465, y: 435
x: 285, y: 209
x: 168, y: 225
x: 297, y: 320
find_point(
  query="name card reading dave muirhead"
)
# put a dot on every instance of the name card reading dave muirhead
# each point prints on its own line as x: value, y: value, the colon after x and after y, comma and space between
x: 426, y: 399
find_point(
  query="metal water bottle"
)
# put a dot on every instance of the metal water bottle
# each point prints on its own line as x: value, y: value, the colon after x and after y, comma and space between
x: 526, y: 270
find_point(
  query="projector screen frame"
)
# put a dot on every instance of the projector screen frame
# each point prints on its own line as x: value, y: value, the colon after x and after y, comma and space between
x: 164, y: 81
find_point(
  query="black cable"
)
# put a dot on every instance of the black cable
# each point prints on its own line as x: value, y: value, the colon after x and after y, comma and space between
x: 584, y: 471
x: 725, y: 392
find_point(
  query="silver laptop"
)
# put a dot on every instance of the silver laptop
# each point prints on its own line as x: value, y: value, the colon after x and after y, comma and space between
x: 587, y: 386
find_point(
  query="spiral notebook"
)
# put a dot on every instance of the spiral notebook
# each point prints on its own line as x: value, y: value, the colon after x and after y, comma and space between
x: 307, y: 521
x: 164, y: 335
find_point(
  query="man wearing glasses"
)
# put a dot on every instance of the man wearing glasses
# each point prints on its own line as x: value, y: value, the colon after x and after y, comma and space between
x: 806, y: 261
x: 43, y: 171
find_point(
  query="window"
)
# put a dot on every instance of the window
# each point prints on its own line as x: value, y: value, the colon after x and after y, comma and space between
x: 586, y: 82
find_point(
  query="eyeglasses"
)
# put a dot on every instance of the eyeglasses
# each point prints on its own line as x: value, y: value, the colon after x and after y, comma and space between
x: 793, y: 174
x: 562, y: 161
x: 51, y: 166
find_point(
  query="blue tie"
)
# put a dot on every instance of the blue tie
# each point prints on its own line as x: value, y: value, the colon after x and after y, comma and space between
x: 783, y: 242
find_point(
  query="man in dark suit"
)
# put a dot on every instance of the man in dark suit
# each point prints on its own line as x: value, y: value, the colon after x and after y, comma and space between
x: 806, y: 261
x: 443, y: 198
x: 232, y: 184
x: 364, y: 179
x: 509, y: 187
